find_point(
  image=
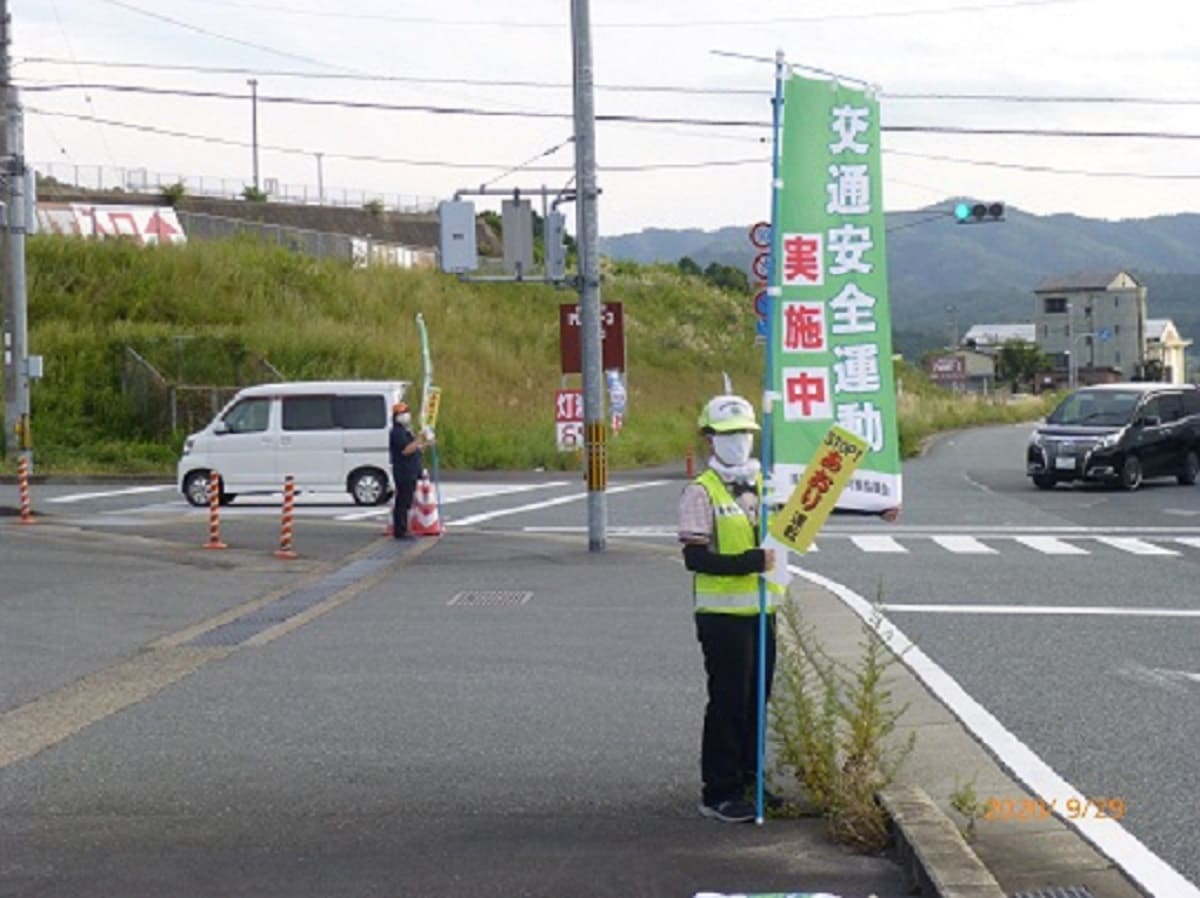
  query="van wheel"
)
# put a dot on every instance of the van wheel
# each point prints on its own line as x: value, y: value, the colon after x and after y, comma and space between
x: 1044, y: 481
x: 195, y: 488
x: 1131, y: 473
x: 369, y: 487
x: 1191, y: 468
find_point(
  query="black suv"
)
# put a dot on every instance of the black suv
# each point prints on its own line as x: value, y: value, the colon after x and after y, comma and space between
x: 1119, y: 432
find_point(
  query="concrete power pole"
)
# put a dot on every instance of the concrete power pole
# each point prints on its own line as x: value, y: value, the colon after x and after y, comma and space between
x: 588, y: 241
x: 16, y: 340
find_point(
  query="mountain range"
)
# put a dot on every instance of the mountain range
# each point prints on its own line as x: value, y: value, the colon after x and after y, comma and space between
x: 946, y: 276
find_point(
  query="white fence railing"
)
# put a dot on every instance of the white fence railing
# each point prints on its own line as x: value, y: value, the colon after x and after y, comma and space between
x: 141, y: 180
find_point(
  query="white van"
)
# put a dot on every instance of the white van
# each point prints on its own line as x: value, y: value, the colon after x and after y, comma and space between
x: 328, y: 435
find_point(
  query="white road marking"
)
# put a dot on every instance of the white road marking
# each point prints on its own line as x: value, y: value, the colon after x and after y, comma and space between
x: 457, y: 493
x: 1050, y: 545
x: 1177, y: 681
x: 1115, y: 842
x: 1134, y: 546
x: 963, y: 545
x: 882, y: 544
x: 549, y: 503
x: 1048, y: 610
x: 127, y: 491
x: 1193, y: 541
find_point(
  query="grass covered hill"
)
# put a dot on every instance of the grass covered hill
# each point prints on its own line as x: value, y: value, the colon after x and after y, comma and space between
x: 189, y: 309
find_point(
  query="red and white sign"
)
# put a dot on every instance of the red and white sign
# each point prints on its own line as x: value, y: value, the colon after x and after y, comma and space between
x: 803, y: 260
x: 143, y: 224
x: 760, y: 234
x: 612, y: 338
x: 568, y: 419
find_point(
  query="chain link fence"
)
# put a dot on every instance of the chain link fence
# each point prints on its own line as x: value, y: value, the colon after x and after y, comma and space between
x: 141, y: 180
x: 167, y: 406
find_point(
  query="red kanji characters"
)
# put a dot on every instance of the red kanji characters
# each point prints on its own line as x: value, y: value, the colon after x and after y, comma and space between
x: 818, y: 486
x: 802, y: 259
x: 804, y: 327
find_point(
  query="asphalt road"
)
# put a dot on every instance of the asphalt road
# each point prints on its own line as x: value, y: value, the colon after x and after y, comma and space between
x: 1073, y: 616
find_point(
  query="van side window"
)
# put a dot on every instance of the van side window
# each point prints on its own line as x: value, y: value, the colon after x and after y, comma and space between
x: 249, y: 416
x: 308, y: 413
x: 362, y: 412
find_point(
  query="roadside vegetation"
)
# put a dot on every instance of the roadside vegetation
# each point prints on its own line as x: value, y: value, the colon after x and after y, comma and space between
x: 833, y: 727
x: 223, y: 314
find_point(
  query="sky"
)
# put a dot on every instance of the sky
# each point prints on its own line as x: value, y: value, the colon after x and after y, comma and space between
x: 923, y: 55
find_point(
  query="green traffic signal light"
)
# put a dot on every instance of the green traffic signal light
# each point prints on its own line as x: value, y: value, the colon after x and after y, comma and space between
x: 978, y: 213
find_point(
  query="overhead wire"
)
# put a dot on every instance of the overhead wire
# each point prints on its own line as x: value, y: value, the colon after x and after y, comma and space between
x: 361, y: 157
x: 678, y: 23
x: 602, y: 117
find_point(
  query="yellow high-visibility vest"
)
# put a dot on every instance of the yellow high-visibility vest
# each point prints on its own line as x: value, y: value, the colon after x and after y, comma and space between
x: 733, y: 534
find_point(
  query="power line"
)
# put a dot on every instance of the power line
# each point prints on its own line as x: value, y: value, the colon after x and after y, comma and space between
x: 425, y: 163
x: 1049, y: 169
x: 408, y: 79
x: 682, y: 89
x: 224, y: 37
x: 532, y: 159
x: 600, y: 117
x: 672, y: 24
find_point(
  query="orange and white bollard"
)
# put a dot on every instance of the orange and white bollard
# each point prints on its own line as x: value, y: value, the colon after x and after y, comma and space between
x: 214, y: 513
x: 23, y: 487
x: 285, y: 526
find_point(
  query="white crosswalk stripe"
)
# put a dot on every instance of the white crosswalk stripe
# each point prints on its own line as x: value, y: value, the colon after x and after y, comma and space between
x: 1135, y: 546
x: 964, y: 545
x: 1050, y: 545
x: 882, y: 544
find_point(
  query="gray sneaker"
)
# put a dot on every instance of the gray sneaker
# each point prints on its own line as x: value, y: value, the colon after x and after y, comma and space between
x: 731, y: 810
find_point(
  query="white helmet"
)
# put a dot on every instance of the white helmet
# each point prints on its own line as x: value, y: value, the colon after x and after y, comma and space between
x: 727, y: 413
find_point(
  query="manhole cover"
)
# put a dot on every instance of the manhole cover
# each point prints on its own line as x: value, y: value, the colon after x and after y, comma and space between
x: 1057, y: 892
x: 491, y: 597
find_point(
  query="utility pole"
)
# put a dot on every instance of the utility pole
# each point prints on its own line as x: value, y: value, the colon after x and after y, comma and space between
x: 320, y: 181
x: 588, y: 241
x: 253, y: 82
x: 16, y: 339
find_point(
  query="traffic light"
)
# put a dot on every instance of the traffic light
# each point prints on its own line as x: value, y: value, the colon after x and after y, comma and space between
x: 978, y: 213
x: 554, y: 232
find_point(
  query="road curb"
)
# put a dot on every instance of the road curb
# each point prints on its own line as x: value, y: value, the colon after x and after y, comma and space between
x: 931, y: 848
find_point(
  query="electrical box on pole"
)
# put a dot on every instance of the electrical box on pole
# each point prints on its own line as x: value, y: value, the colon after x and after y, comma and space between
x: 554, y: 233
x: 517, y: 220
x: 457, y: 250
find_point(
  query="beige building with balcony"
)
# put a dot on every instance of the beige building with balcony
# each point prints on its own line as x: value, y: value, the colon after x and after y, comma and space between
x: 1099, y: 318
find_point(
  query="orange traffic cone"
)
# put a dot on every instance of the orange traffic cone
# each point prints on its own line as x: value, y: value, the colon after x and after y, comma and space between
x: 423, y: 517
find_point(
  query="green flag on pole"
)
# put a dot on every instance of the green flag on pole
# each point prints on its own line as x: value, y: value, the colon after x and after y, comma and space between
x: 832, y: 341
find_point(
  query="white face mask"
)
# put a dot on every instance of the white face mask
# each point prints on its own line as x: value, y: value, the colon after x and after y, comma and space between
x: 733, y: 449
x: 404, y: 419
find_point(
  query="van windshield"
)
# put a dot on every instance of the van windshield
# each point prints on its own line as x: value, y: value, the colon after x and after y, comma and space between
x: 248, y: 416
x: 1097, y: 408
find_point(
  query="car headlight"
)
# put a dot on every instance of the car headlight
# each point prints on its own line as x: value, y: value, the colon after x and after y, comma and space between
x: 1110, y: 440
x: 188, y: 444
x: 1035, y: 439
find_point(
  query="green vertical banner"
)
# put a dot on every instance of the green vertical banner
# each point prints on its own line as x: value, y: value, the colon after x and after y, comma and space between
x: 832, y: 352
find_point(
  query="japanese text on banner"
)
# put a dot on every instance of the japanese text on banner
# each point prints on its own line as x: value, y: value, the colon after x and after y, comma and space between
x: 825, y: 477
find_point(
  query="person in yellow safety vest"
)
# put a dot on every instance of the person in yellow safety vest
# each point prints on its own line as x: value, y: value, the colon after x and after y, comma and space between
x: 718, y: 526
x: 718, y: 518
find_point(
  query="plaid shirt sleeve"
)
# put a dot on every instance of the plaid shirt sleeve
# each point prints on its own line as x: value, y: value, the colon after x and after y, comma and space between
x: 695, y: 515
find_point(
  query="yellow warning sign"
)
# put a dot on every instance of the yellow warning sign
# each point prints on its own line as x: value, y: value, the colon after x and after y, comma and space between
x: 817, y: 493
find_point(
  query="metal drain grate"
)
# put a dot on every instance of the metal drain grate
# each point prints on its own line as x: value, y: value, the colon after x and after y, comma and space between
x: 1057, y: 892
x: 491, y: 597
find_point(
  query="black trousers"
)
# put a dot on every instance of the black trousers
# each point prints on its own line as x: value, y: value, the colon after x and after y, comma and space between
x: 405, y: 487
x: 729, y: 748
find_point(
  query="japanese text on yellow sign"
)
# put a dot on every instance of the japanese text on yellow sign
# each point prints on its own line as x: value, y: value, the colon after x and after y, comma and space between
x: 430, y: 412
x: 817, y: 492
